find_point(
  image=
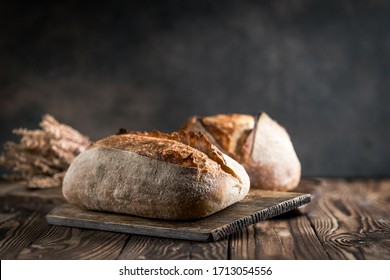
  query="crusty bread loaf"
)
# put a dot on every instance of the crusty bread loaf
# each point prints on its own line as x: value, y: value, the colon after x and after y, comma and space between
x: 176, y: 176
x: 226, y: 131
x: 259, y: 143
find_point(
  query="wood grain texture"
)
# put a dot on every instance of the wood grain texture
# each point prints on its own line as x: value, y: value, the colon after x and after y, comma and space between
x: 311, y: 186
x: 285, y: 237
x: 346, y: 219
x: 141, y: 247
x: 243, y: 244
x: 19, y: 231
x: 153, y: 248
x: 352, y: 219
x: 258, y: 205
x: 217, y: 250
x: 8, y: 216
x: 289, y: 238
x: 64, y: 243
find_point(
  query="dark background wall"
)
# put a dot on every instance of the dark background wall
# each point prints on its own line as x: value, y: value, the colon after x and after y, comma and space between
x: 320, y: 68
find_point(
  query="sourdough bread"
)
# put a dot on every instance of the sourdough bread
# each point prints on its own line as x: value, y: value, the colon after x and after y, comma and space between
x: 259, y: 143
x: 177, y: 176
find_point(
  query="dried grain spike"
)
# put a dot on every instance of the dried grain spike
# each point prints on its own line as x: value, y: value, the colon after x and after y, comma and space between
x: 42, y: 156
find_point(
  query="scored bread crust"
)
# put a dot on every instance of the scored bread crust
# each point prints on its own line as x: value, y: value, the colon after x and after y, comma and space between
x: 260, y: 144
x: 226, y: 131
x: 269, y: 156
x: 155, y: 176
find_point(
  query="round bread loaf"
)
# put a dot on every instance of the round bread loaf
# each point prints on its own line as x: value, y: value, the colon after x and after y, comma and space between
x: 269, y: 157
x: 259, y: 143
x: 177, y: 176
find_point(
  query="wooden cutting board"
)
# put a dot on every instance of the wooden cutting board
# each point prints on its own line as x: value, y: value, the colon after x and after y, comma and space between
x: 258, y: 205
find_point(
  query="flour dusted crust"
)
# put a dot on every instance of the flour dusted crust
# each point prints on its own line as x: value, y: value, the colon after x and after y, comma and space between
x: 177, y: 176
x: 269, y: 157
x: 259, y: 143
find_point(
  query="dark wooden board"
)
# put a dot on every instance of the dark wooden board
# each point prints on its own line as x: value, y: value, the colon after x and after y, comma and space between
x: 258, y: 205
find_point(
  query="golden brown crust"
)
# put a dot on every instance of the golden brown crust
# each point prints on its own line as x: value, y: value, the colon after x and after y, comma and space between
x: 157, y: 148
x: 261, y: 145
x: 226, y: 129
x: 195, y: 124
x: 187, y: 148
x: 152, y: 175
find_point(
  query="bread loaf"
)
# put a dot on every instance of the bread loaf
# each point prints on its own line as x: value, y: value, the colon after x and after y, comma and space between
x: 178, y: 176
x: 259, y: 143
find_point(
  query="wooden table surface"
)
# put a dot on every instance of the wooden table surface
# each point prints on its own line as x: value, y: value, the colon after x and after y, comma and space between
x: 346, y: 219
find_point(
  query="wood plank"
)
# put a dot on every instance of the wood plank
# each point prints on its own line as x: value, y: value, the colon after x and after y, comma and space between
x: 8, y: 216
x: 374, y: 209
x: 313, y: 187
x: 258, y: 205
x: 383, y: 187
x: 6, y: 187
x: 309, y: 185
x: 34, y: 197
x: 152, y: 248
x: 20, y: 231
x: 286, y: 237
x: 217, y: 250
x: 291, y: 238
x: 61, y: 243
x: 352, y: 219
x: 243, y: 244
